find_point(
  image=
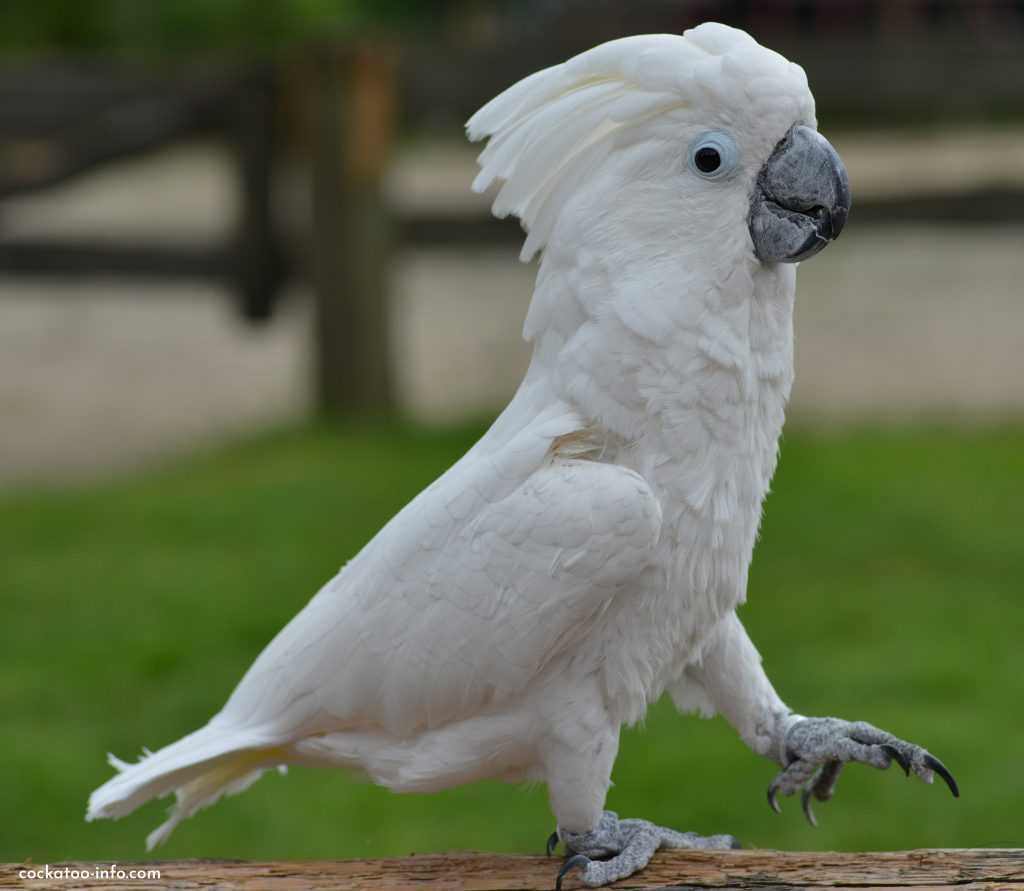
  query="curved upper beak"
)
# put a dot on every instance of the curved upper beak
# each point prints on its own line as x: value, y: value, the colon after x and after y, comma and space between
x: 800, y: 200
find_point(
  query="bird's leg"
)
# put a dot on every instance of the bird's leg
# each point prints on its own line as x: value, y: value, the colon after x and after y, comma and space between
x: 810, y: 751
x: 579, y: 757
x: 815, y: 750
x: 615, y: 849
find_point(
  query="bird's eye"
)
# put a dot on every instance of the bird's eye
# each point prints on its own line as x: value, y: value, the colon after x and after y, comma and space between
x: 707, y: 160
x: 714, y: 155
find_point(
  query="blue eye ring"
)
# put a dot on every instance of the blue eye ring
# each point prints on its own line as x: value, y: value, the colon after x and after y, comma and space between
x: 713, y: 155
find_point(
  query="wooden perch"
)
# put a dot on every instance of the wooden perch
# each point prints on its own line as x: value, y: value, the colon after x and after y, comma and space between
x: 969, y: 870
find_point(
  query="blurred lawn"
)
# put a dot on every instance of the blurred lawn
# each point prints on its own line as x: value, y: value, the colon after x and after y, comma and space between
x: 887, y: 587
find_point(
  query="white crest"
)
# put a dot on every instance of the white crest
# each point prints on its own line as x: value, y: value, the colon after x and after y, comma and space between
x: 552, y: 129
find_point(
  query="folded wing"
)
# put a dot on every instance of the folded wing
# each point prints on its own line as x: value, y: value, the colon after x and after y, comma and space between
x: 461, y: 601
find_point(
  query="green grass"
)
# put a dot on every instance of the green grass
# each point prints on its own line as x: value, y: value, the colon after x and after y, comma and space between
x: 887, y: 587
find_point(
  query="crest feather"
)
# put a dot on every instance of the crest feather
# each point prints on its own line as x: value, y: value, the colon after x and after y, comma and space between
x: 551, y: 129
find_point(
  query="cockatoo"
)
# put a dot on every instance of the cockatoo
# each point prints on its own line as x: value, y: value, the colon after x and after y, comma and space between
x: 590, y: 551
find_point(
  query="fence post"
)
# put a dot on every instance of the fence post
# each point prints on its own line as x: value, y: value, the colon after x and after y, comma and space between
x: 354, y: 108
x: 258, y: 265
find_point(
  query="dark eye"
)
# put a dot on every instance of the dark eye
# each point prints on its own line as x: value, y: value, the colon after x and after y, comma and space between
x: 707, y: 160
x: 714, y: 155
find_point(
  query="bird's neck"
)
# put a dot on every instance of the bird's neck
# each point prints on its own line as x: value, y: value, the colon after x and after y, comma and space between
x: 697, y: 356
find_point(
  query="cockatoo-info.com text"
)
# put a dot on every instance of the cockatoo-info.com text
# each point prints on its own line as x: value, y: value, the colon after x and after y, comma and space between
x: 590, y: 551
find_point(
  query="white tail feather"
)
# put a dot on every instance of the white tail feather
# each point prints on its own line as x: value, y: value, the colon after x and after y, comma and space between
x: 199, y: 768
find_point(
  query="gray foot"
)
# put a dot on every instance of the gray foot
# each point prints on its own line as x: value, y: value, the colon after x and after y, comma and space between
x: 628, y: 846
x: 817, y: 748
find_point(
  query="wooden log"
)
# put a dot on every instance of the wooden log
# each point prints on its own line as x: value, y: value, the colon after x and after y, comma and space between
x: 967, y: 869
x: 353, y: 110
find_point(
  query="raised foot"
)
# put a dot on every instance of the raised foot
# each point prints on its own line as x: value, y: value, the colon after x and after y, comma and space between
x: 817, y: 748
x: 616, y: 848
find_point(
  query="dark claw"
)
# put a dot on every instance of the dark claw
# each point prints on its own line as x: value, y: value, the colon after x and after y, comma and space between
x: 552, y: 843
x: 941, y: 769
x: 806, y: 798
x: 576, y: 861
x: 772, y: 787
x: 896, y: 756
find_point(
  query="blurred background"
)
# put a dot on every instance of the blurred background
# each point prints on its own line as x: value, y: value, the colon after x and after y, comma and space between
x: 249, y: 307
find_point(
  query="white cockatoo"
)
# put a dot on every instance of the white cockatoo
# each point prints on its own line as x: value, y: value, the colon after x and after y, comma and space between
x: 590, y: 551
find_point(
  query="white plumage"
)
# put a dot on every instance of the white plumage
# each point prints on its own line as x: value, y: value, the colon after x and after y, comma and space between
x: 589, y: 552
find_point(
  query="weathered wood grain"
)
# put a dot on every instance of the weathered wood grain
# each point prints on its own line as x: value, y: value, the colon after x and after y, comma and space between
x: 969, y: 870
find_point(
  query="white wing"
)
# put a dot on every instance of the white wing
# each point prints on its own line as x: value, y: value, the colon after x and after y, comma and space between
x: 462, y: 599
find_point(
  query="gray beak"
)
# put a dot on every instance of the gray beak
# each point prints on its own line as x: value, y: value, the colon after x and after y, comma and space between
x: 801, y: 198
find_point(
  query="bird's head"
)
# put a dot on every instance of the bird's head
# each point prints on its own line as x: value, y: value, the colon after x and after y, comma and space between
x: 699, y: 144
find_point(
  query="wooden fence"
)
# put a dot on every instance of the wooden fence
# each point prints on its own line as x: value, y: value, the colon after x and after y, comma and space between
x: 339, y: 105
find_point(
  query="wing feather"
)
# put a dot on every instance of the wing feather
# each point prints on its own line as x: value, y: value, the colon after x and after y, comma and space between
x: 462, y: 601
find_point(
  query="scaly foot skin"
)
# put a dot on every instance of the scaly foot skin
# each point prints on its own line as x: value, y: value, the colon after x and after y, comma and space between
x: 629, y: 845
x: 817, y: 748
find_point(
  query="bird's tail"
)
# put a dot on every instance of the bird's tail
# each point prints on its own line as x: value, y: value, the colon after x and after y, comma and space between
x: 198, y: 768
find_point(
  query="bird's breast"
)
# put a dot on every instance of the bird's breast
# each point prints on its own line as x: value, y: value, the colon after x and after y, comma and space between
x: 708, y: 455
